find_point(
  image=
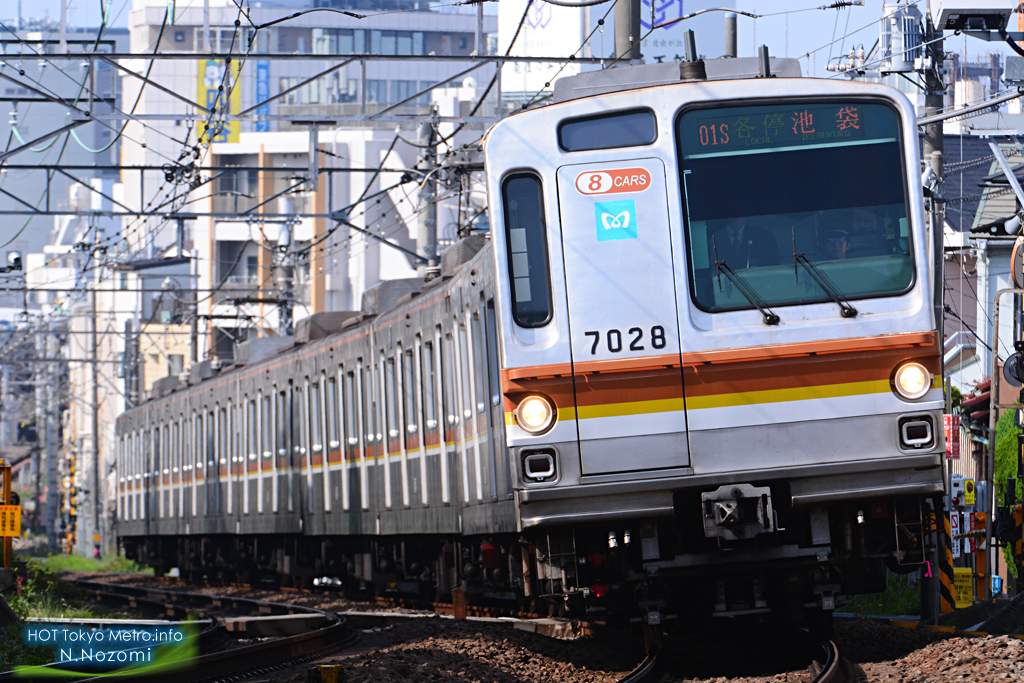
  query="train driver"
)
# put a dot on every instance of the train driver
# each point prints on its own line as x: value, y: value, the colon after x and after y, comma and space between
x: 834, y: 244
x: 741, y: 244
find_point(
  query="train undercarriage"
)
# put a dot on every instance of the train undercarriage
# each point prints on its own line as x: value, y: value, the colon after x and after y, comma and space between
x: 728, y: 554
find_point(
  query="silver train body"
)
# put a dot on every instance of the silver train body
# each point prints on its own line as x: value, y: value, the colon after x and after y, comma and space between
x: 695, y: 369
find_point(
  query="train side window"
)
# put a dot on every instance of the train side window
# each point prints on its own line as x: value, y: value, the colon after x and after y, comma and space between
x: 315, y: 418
x: 298, y: 443
x: 479, y: 376
x: 222, y: 455
x: 282, y: 427
x: 410, y: 393
x: 267, y: 425
x: 429, y: 386
x: 450, y: 410
x: 331, y: 397
x: 390, y: 405
x: 211, y: 470
x: 467, y: 391
x: 527, y: 250
x: 370, y: 410
x: 492, y: 354
x: 609, y: 131
x: 348, y: 403
x: 250, y: 430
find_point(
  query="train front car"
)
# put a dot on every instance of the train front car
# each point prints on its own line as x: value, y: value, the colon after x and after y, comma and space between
x: 722, y: 374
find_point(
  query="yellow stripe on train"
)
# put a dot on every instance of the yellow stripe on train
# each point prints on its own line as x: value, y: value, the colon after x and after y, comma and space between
x: 720, y: 400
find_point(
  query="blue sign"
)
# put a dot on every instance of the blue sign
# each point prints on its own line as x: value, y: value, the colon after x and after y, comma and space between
x: 616, y: 220
x: 262, y: 93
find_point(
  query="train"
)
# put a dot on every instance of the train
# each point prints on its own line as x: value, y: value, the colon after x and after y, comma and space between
x: 692, y: 370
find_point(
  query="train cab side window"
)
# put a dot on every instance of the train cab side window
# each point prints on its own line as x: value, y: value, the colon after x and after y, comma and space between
x: 609, y: 131
x: 527, y: 247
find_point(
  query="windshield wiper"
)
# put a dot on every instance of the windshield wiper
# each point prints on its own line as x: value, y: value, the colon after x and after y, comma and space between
x: 744, y: 288
x: 800, y: 259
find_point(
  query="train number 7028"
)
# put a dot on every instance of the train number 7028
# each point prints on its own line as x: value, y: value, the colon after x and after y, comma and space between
x: 614, y: 341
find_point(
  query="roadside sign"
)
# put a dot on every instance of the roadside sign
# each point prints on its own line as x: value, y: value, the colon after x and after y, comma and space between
x: 963, y: 586
x: 10, y: 520
x: 954, y: 533
x: 969, y: 492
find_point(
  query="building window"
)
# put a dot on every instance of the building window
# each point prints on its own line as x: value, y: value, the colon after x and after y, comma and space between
x: 252, y: 268
x: 402, y: 89
x: 376, y: 91
x: 179, y: 36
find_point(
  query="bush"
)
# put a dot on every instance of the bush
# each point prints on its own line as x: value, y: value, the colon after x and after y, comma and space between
x: 115, y: 564
x: 899, y: 597
x: 1006, y: 466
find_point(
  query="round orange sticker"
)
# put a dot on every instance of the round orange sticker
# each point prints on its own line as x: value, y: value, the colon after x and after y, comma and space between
x: 613, y: 181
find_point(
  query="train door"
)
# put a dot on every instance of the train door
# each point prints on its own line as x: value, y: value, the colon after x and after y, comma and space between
x: 496, y: 409
x: 620, y: 285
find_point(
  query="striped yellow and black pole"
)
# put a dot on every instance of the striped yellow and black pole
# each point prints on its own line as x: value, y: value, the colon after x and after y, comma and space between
x: 947, y: 603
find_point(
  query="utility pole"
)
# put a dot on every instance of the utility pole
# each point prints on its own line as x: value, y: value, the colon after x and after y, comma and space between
x: 52, y: 427
x: 286, y: 279
x: 39, y: 378
x: 731, y: 49
x: 932, y: 147
x: 94, y: 408
x: 427, y: 235
x: 627, y: 31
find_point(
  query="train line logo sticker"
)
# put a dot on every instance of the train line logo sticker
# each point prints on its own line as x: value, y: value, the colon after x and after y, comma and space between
x: 613, y: 181
x: 616, y: 220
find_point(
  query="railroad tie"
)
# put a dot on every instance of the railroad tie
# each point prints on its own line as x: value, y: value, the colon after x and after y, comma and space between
x: 946, y: 600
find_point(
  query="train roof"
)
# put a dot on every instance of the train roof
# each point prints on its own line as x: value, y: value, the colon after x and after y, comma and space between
x: 618, y: 79
x: 377, y: 302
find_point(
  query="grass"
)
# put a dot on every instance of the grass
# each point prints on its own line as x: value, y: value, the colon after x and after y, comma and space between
x: 109, y: 565
x: 899, y: 597
x: 41, y: 594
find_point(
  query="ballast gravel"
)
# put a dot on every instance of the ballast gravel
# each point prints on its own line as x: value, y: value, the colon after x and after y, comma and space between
x: 441, y: 650
x: 880, y: 653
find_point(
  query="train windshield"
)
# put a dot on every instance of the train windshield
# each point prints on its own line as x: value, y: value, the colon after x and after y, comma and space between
x: 769, y: 188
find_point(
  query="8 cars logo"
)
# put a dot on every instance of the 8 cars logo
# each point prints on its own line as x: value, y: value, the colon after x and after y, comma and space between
x: 613, y: 181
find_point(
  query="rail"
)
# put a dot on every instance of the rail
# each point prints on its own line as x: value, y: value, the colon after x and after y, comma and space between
x: 832, y: 670
x: 332, y: 633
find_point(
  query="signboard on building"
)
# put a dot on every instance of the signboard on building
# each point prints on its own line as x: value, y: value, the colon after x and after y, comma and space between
x: 666, y: 43
x: 547, y: 31
x: 212, y: 78
x: 951, y: 425
x: 262, y: 93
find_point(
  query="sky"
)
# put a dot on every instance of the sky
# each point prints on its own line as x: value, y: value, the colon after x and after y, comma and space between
x: 792, y: 28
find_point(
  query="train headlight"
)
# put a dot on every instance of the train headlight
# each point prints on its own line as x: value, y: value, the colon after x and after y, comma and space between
x: 535, y: 414
x: 912, y: 381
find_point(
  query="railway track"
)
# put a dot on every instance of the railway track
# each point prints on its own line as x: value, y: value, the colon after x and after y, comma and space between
x: 833, y: 668
x: 289, y: 634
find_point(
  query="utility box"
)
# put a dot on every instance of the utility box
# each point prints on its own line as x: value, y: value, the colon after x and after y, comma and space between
x: 956, y: 492
x: 971, y: 15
